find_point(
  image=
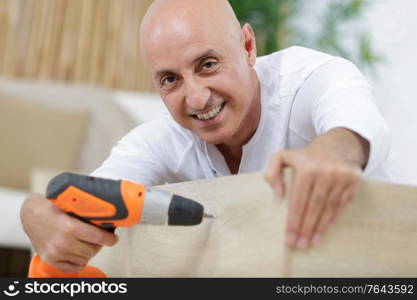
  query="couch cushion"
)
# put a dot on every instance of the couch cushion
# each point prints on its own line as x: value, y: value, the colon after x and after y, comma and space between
x: 34, y: 134
x: 107, y: 121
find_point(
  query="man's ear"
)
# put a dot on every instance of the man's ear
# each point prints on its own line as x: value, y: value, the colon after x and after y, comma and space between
x: 249, y: 44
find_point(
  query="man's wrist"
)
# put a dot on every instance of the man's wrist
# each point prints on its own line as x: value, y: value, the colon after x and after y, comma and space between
x: 344, y: 144
x: 363, y: 147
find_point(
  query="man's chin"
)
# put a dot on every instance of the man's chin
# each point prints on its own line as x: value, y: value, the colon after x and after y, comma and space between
x: 213, y: 138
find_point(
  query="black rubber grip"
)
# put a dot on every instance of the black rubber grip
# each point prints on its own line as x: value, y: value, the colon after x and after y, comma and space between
x: 183, y: 211
x: 106, y: 189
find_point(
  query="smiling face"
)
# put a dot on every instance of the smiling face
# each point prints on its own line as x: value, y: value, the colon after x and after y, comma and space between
x: 201, y: 63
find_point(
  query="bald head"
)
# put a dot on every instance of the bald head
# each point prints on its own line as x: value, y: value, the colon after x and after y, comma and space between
x: 201, y: 61
x: 182, y: 19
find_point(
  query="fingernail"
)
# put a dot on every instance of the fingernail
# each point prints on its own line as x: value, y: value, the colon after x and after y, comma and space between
x: 316, y: 239
x: 291, y: 239
x: 302, y: 243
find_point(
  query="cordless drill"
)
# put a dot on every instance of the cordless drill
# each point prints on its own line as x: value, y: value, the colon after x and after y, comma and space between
x: 109, y: 204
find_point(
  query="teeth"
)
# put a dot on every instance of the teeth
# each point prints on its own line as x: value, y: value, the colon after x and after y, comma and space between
x: 211, y: 114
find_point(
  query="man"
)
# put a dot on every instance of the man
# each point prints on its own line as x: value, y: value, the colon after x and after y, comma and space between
x: 230, y: 113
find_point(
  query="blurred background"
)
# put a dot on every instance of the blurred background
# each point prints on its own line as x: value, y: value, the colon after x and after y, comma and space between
x: 72, y: 83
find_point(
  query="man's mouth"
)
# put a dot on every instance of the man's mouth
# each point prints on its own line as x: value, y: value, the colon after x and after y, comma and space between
x: 210, y: 114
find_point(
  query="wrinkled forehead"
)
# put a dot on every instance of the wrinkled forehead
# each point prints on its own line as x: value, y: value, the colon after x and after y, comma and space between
x: 183, y: 37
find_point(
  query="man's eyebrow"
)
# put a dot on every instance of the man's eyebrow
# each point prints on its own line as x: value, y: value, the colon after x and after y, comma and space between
x: 209, y: 52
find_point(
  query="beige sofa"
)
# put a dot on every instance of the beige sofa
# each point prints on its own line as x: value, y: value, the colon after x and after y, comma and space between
x: 49, y: 127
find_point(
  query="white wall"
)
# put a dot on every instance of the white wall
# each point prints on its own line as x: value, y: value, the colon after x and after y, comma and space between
x: 393, y: 28
x: 393, y: 24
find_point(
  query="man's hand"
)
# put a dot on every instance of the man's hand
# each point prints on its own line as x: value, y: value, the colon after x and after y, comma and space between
x: 61, y: 241
x: 325, y: 175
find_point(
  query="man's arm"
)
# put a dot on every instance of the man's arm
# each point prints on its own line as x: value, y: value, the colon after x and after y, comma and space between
x: 326, y: 173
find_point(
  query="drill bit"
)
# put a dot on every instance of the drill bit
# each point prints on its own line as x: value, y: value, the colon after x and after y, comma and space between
x: 208, y: 216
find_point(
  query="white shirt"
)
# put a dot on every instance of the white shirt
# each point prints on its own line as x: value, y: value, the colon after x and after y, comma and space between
x: 304, y: 94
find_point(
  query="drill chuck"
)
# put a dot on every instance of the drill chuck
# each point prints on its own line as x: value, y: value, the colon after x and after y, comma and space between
x: 183, y: 211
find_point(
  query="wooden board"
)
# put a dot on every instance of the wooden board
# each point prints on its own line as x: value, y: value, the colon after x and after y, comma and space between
x: 375, y: 237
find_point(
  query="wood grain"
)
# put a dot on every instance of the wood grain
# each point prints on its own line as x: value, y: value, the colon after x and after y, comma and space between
x: 375, y: 237
x: 89, y: 41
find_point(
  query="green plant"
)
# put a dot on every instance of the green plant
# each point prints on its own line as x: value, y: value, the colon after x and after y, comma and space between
x: 281, y: 23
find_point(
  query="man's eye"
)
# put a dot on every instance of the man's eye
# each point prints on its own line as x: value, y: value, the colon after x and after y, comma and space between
x: 167, y: 80
x: 209, y: 65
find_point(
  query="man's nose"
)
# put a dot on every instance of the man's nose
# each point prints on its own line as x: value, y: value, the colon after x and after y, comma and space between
x: 197, y: 95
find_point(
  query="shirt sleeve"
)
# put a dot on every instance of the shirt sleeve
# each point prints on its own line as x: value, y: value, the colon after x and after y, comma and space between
x: 132, y: 159
x: 337, y: 95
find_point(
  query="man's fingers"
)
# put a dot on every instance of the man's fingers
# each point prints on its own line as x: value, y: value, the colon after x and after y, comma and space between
x: 328, y: 212
x: 273, y: 175
x: 300, y: 191
x: 314, y: 210
x: 68, y: 267
x: 86, y: 249
x: 346, y: 195
x: 91, y: 234
x: 343, y: 186
x: 344, y: 200
x: 63, y: 246
x: 58, y: 259
x: 76, y: 259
